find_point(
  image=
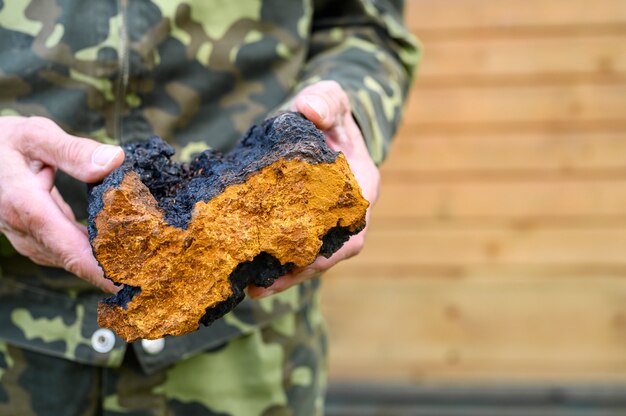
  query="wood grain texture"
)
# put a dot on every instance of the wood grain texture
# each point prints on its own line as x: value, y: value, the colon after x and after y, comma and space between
x: 480, y: 244
x: 515, y: 196
x: 480, y: 328
x: 447, y: 15
x: 524, y: 61
x: 535, y: 103
x: 525, y: 153
x: 497, y: 248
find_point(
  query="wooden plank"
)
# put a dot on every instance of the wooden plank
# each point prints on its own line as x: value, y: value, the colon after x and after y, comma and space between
x: 428, y: 15
x: 458, y: 105
x: 358, y: 267
x: 496, y: 128
x: 497, y: 248
x: 532, y: 60
x: 503, y: 199
x: 537, y: 152
x: 482, y: 328
x: 412, y: 245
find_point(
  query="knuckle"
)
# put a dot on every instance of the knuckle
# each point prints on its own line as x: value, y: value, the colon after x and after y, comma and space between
x: 35, y: 126
x: 11, y: 130
x: 324, y: 88
x: 70, y: 150
x: 72, y: 264
x: 38, y: 123
x: 26, y: 248
x: 20, y: 131
x: 32, y: 127
x: 336, y: 89
x: 335, y: 92
x: 37, y: 227
x: 9, y: 217
x: 40, y: 260
x: 331, y: 85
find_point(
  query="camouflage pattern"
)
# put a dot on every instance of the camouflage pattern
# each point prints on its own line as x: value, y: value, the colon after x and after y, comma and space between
x: 198, y: 73
x: 275, y: 370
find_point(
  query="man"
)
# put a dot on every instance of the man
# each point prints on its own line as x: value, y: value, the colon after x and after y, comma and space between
x: 198, y: 73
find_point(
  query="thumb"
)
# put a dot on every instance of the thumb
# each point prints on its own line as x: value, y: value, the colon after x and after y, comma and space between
x: 324, y: 103
x: 84, y: 159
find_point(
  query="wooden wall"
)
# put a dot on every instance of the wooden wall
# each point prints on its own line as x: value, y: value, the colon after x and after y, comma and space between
x: 498, y: 247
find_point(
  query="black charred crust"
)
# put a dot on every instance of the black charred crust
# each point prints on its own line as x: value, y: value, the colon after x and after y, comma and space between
x: 123, y: 297
x: 177, y: 187
x: 261, y: 271
x: 336, y: 237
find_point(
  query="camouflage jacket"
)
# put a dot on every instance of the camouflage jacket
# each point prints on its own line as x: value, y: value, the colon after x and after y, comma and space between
x: 198, y: 73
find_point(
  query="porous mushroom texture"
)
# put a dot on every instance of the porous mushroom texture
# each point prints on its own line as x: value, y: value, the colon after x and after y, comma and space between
x: 186, y: 239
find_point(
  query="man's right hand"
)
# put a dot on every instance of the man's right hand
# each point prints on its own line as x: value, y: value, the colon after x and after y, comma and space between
x: 33, y: 215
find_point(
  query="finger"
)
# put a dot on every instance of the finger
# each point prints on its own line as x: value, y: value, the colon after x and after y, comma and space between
x: 283, y: 283
x: 44, y: 174
x: 83, y: 159
x: 350, y: 249
x: 65, y: 240
x: 67, y: 210
x: 324, y: 103
x: 63, y: 206
x: 27, y: 246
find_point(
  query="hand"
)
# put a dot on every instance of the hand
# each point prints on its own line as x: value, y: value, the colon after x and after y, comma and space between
x: 33, y: 215
x: 327, y: 106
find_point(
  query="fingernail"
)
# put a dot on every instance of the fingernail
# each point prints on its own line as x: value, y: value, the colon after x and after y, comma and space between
x: 342, y: 136
x: 105, y: 154
x: 319, y: 105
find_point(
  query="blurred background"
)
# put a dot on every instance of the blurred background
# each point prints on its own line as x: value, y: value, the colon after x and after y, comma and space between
x: 494, y: 273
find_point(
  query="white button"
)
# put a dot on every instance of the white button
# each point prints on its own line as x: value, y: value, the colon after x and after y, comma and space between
x: 153, y: 346
x: 103, y: 340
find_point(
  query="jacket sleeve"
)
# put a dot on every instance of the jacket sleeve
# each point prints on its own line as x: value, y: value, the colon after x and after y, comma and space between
x: 365, y: 47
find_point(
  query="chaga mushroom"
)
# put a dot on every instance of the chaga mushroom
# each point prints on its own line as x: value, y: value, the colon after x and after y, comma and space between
x: 186, y: 239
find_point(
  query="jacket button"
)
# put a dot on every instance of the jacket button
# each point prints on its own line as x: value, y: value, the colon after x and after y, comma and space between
x: 103, y: 340
x: 153, y: 346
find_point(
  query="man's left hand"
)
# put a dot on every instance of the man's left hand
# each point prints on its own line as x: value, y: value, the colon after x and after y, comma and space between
x: 326, y: 105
